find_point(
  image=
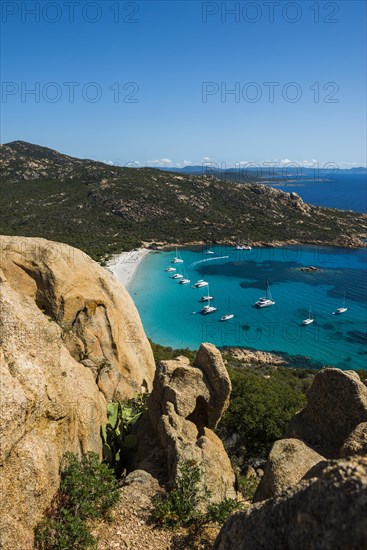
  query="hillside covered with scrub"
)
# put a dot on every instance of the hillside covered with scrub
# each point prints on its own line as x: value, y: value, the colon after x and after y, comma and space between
x: 47, y: 194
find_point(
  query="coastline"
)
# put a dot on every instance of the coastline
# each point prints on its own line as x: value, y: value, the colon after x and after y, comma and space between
x: 343, y: 242
x: 123, y: 266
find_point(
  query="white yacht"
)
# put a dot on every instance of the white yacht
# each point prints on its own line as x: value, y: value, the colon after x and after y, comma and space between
x: 207, y: 298
x: 267, y: 300
x: 169, y: 269
x: 342, y: 309
x: 243, y: 247
x: 185, y: 280
x: 177, y: 259
x: 208, y: 309
x: 200, y: 283
x: 228, y: 316
x: 310, y: 319
x: 208, y: 252
x: 177, y: 276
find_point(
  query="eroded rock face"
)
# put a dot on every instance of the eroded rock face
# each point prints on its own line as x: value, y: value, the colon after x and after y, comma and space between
x: 356, y: 442
x: 288, y: 461
x: 313, y: 503
x: 49, y: 404
x: 337, y: 403
x: 319, y: 514
x: 185, y: 406
x: 99, y: 321
x: 50, y: 401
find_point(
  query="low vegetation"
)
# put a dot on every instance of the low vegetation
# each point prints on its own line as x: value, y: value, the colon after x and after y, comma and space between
x: 261, y: 408
x: 187, y: 504
x: 163, y: 353
x: 88, y: 491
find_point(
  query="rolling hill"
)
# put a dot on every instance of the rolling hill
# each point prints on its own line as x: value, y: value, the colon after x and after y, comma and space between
x: 104, y: 209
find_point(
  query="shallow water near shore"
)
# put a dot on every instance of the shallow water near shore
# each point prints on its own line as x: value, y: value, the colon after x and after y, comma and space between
x: 170, y: 311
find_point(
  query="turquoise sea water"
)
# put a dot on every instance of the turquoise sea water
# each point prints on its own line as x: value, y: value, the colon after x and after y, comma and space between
x: 167, y: 308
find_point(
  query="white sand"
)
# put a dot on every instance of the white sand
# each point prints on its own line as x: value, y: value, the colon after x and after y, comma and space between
x: 124, y: 265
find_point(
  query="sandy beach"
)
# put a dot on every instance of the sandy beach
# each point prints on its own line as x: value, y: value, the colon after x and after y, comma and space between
x: 124, y: 265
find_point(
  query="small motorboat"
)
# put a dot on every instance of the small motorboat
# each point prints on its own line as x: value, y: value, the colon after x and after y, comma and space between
x: 310, y: 319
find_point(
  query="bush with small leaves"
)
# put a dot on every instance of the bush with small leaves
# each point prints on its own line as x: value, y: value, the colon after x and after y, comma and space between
x: 88, y: 490
x: 187, y: 504
x: 180, y: 507
x: 220, y: 512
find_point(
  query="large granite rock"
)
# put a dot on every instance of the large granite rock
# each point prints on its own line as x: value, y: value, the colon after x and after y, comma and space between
x: 52, y: 296
x: 328, y: 513
x: 337, y: 403
x: 288, y: 461
x: 185, y: 406
x: 100, y: 324
x: 356, y: 442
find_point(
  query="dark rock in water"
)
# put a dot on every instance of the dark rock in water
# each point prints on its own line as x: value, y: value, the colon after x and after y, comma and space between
x: 357, y: 337
x: 329, y: 513
x: 311, y: 268
x: 337, y: 403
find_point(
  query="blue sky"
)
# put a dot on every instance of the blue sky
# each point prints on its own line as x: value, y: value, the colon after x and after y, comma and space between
x: 150, y: 81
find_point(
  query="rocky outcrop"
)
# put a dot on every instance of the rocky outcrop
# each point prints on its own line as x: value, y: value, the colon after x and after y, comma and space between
x: 250, y: 357
x: 356, y: 442
x: 337, y: 403
x: 318, y: 514
x: 313, y: 500
x: 288, y: 461
x: 49, y: 404
x: 100, y: 325
x: 54, y: 301
x: 185, y: 406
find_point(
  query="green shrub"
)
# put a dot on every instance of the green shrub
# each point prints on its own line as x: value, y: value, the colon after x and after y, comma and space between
x: 181, y: 505
x: 162, y: 353
x: 88, y: 490
x: 247, y: 486
x: 260, y: 409
x: 220, y: 512
x: 187, y: 504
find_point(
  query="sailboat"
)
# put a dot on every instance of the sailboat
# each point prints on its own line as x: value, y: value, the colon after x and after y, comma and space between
x: 177, y: 259
x: 310, y: 318
x: 208, y: 309
x: 177, y: 275
x: 200, y: 283
x: 207, y: 298
x: 185, y: 280
x: 267, y: 300
x: 240, y: 246
x: 342, y: 309
x: 209, y: 251
x: 228, y: 316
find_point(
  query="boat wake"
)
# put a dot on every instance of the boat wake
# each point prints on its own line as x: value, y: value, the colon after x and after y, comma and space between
x: 208, y: 260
